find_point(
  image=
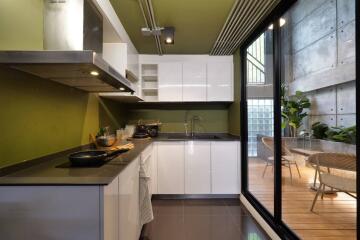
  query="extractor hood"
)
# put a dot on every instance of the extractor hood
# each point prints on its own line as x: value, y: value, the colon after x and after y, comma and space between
x: 72, y: 55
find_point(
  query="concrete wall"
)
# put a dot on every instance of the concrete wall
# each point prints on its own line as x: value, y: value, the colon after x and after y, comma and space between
x: 319, y: 47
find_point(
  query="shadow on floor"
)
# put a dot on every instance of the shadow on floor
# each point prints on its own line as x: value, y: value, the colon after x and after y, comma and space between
x: 220, y: 219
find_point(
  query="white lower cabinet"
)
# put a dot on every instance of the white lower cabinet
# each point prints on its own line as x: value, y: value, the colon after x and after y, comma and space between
x: 170, y: 167
x: 197, y: 167
x: 91, y: 212
x: 111, y: 210
x: 129, y: 220
x: 224, y: 167
x: 121, y: 205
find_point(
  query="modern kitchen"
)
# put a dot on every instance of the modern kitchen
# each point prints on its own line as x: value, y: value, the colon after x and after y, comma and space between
x: 154, y: 119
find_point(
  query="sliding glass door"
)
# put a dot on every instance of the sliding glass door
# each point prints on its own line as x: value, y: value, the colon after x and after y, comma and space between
x: 299, y: 120
x: 260, y: 118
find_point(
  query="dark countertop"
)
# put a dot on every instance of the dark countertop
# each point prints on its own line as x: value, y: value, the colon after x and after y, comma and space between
x: 197, y: 137
x: 49, y: 172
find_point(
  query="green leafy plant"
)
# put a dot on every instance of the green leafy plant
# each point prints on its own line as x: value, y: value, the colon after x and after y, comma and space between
x: 319, y: 130
x: 337, y: 134
x: 341, y: 134
x: 293, y: 110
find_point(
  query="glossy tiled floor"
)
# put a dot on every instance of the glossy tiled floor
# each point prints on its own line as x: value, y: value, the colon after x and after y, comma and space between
x: 201, y: 220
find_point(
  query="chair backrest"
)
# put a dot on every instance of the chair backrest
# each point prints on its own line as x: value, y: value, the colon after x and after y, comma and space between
x: 269, y: 143
x: 341, y: 161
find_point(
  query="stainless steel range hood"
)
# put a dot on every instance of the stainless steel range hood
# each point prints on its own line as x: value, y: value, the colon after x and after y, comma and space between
x: 73, y: 41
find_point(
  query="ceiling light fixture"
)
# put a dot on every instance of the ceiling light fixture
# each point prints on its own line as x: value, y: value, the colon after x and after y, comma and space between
x: 122, y: 89
x: 168, y: 34
x: 94, y: 73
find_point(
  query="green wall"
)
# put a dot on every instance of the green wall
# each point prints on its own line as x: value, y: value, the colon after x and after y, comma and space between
x: 234, y: 109
x: 213, y: 118
x: 40, y: 117
x: 21, y: 24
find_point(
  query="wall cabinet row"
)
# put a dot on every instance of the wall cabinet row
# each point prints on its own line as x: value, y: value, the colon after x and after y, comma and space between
x: 187, y: 78
x: 196, y: 167
x: 195, y: 81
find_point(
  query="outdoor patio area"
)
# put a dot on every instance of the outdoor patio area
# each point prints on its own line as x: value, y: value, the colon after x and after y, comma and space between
x: 334, y: 216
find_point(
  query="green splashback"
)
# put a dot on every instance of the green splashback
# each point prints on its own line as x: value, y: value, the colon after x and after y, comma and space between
x: 211, y: 119
x: 234, y: 109
x: 40, y: 117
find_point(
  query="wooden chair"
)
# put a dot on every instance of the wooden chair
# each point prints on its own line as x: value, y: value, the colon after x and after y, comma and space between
x: 338, y: 180
x: 287, y: 157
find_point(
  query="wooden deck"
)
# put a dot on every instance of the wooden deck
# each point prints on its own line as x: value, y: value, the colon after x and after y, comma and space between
x: 334, y: 217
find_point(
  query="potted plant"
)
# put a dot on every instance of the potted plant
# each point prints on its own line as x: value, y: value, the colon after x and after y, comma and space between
x: 293, y: 110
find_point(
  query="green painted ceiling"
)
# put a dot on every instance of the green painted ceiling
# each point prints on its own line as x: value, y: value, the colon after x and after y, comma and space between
x: 197, y: 23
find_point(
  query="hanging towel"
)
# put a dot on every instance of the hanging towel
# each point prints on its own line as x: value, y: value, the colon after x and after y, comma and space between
x: 146, y: 212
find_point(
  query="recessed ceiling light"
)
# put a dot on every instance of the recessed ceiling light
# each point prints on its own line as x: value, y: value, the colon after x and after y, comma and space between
x: 122, y: 89
x: 94, y: 73
x: 282, y: 22
x: 168, y: 40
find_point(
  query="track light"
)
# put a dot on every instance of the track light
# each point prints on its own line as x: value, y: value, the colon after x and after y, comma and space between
x: 168, y: 33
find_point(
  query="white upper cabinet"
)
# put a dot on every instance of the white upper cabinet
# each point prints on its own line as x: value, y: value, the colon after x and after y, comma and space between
x: 197, y: 167
x: 194, y: 82
x: 116, y: 55
x: 192, y: 78
x: 220, y: 81
x: 225, y: 168
x: 170, y: 168
x: 170, y: 82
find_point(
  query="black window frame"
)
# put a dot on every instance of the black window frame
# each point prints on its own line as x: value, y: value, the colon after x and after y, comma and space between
x: 275, y: 220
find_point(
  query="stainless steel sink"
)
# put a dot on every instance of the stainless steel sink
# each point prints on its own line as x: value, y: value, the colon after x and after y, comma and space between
x: 199, y: 137
x: 206, y: 137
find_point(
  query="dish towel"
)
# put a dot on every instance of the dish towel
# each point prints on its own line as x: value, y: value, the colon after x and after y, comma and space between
x: 146, y: 212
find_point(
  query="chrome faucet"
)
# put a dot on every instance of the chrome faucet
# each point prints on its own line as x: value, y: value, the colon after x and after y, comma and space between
x: 193, y: 119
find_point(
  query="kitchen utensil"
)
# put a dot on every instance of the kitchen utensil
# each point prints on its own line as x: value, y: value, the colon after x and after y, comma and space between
x: 130, y: 130
x: 106, y: 141
x: 93, y: 157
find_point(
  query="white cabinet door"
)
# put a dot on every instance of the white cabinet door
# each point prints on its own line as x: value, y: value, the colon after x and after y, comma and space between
x: 220, y: 81
x: 224, y: 168
x: 170, y: 82
x: 197, y: 167
x: 194, y: 82
x: 116, y: 55
x: 129, y: 220
x: 111, y: 210
x: 170, y: 167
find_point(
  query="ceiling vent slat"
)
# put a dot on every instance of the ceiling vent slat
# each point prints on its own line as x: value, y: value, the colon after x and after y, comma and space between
x: 258, y: 10
x: 244, y: 16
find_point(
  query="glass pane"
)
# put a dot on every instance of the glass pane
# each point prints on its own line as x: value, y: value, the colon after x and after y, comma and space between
x: 318, y: 79
x: 260, y: 119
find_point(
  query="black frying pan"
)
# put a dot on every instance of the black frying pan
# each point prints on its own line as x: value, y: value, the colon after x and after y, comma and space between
x: 92, y: 157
